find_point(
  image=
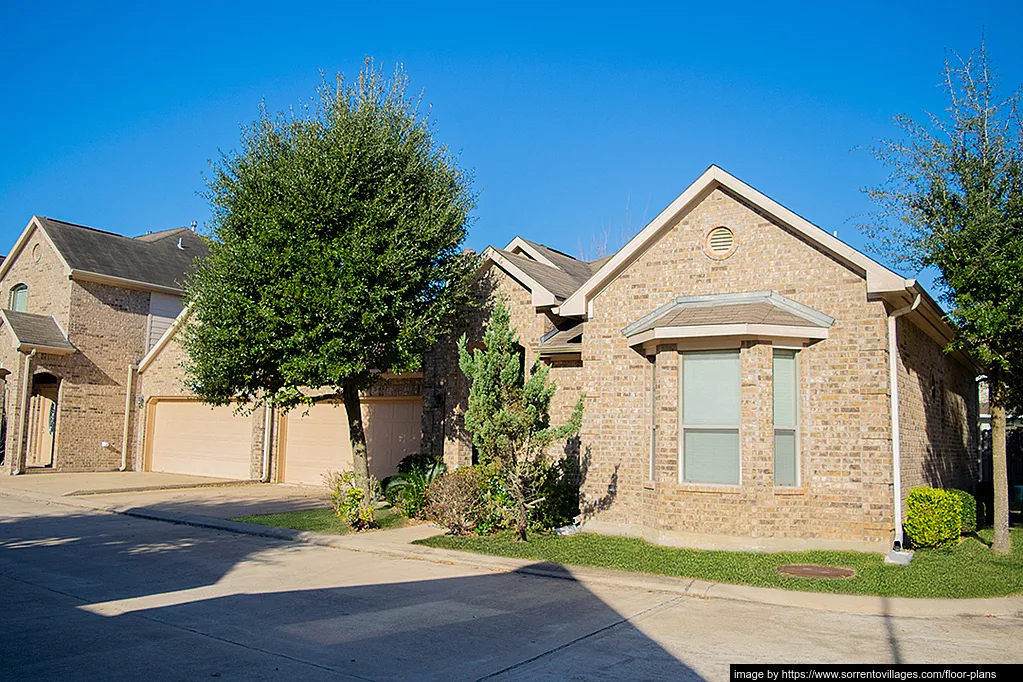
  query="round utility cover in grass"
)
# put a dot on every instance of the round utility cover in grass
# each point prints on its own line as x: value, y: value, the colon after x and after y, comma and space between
x: 815, y: 571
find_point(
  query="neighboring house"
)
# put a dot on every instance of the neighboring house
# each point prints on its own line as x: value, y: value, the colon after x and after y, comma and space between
x: 93, y: 319
x: 737, y: 363
x: 80, y: 307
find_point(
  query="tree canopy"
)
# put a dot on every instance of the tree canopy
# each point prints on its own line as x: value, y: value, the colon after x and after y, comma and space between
x: 335, y: 251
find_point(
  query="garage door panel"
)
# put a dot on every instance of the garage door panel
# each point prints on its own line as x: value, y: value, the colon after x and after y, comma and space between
x: 318, y: 441
x: 189, y: 437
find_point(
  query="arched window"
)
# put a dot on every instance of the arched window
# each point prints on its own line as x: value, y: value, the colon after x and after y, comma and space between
x: 19, y: 298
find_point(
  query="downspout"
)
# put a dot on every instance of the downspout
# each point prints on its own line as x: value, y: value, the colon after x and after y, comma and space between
x: 893, y: 378
x: 130, y: 382
x: 19, y: 455
x: 268, y: 422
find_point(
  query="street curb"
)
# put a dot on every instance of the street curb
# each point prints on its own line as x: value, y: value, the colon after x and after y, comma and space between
x: 903, y: 607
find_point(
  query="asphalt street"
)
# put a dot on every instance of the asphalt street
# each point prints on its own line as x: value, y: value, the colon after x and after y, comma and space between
x: 96, y: 596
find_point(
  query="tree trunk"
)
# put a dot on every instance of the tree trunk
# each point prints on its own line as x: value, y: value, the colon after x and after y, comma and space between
x: 1000, y: 544
x: 357, y: 435
x: 521, y: 513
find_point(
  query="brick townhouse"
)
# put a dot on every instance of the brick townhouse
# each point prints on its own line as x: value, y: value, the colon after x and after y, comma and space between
x: 740, y: 367
x: 93, y: 377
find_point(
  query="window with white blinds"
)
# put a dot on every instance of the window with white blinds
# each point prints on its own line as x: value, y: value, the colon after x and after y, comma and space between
x: 786, y: 419
x: 709, y: 397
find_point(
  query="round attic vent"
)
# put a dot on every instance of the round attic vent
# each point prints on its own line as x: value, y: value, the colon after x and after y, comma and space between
x: 720, y: 242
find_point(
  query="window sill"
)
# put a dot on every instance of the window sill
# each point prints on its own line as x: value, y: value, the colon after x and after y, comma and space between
x: 790, y: 491
x: 709, y: 488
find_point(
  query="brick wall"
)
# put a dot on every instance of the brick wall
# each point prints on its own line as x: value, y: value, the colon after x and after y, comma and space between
x: 107, y: 326
x: 845, y: 452
x: 938, y: 414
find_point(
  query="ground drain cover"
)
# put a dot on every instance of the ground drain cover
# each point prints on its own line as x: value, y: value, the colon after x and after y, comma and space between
x: 815, y: 571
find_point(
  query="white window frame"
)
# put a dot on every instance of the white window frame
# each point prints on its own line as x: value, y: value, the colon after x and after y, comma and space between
x: 682, y: 427
x: 797, y: 418
x: 18, y: 288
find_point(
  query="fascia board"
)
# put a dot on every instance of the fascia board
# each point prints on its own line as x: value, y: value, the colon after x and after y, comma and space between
x: 123, y: 282
x: 769, y: 331
x: 541, y: 297
x: 165, y: 339
x: 51, y: 350
x: 522, y: 245
x: 879, y: 278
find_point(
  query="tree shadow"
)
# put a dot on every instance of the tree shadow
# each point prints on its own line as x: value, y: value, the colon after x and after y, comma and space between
x: 116, y: 598
x: 591, y: 507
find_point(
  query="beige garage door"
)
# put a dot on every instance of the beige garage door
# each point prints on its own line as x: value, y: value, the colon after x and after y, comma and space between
x: 187, y: 437
x: 317, y: 441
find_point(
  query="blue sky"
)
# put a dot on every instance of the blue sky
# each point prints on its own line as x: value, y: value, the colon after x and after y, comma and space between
x: 578, y: 119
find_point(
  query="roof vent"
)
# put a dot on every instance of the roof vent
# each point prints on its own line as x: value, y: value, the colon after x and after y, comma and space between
x: 720, y: 242
x: 180, y: 245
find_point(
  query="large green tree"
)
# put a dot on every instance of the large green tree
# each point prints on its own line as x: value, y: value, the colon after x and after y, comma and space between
x: 335, y: 252
x: 508, y: 413
x: 953, y: 201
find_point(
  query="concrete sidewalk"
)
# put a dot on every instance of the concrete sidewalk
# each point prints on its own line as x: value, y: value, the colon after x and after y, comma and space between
x: 212, y: 508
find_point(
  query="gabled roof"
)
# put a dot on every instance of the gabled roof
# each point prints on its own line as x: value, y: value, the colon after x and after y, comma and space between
x: 36, y: 332
x: 553, y: 279
x: 565, y: 338
x: 159, y: 261
x: 761, y: 314
x: 880, y: 279
x: 550, y: 275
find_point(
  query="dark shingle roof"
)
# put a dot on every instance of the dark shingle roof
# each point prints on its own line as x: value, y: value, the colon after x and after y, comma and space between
x: 568, y: 332
x: 554, y: 280
x: 758, y: 307
x: 153, y: 258
x: 36, y: 330
x: 576, y: 269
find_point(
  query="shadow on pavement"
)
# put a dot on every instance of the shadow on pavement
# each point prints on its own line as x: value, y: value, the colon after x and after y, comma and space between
x: 95, y: 596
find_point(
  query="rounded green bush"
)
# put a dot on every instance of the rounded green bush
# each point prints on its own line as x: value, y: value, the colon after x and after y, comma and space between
x: 933, y: 517
x: 969, y: 510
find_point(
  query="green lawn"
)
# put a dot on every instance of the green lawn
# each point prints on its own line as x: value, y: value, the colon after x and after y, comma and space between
x: 321, y: 520
x: 968, y: 570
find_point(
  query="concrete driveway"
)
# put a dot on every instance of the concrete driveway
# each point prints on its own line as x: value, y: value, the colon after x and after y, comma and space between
x: 89, y: 595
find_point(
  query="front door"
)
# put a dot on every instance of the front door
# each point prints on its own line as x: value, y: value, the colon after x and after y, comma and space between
x: 42, y: 413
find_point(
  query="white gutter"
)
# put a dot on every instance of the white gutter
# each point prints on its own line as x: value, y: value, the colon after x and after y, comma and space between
x: 127, y: 416
x: 893, y: 378
x: 268, y: 421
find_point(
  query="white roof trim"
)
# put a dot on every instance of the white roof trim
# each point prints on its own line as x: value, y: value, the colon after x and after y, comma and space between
x: 759, y: 331
x: 122, y: 282
x: 521, y: 245
x: 879, y: 278
x: 165, y: 339
x: 33, y: 224
x: 541, y: 297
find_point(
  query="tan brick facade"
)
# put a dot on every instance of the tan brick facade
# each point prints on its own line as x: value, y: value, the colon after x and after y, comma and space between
x: 844, y: 496
x: 107, y: 327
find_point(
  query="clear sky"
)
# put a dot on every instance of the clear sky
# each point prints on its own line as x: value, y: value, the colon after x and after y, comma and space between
x: 578, y: 119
